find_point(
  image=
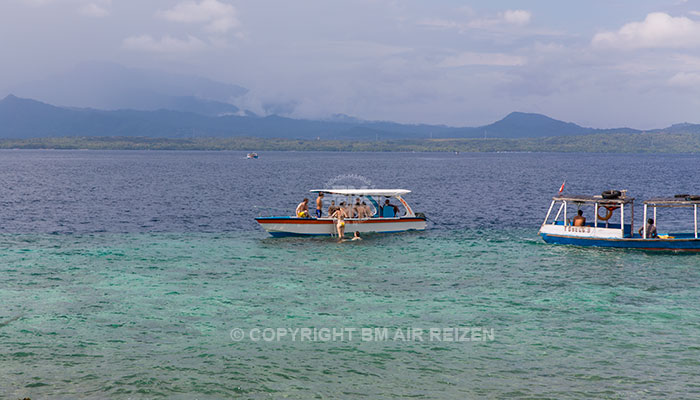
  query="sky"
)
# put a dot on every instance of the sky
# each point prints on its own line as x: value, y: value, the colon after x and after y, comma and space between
x: 598, y: 63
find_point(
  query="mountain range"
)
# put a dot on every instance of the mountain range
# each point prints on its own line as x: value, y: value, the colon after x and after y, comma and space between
x: 107, y: 99
x: 25, y: 118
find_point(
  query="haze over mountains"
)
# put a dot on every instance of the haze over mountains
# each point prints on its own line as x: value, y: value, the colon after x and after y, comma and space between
x: 101, y: 99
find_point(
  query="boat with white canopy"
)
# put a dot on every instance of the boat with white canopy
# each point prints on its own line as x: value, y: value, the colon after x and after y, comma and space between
x: 610, y: 230
x: 382, y: 219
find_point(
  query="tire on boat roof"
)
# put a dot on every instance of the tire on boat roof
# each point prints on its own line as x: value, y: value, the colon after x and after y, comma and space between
x: 611, y: 194
x: 681, y: 196
x: 693, y: 198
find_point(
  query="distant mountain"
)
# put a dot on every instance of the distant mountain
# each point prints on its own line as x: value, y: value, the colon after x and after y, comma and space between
x: 25, y: 118
x: 109, y: 86
x: 518, y: 124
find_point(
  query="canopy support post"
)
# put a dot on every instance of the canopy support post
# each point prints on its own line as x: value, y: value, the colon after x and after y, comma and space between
x: 645, y: 222
x: 595, y: 216
x: 564, y: 212
x: 622, y: 219
x: 561, y: 207
x: 546, y: 217
x: 632, y: 219
x: 695, y: 206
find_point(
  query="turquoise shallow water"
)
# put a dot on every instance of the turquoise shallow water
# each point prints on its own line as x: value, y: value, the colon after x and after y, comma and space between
x: 149, y: 315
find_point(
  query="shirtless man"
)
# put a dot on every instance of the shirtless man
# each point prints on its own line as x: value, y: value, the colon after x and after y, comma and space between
x: 347, y: 208
x: 579, y: 220
x: 332, y: 208
x: 319, y: 205
x: 357, y: 208
x: 368, y: 210
x: 651, y: 230
x: 302, y: 210
x: 340, y: 215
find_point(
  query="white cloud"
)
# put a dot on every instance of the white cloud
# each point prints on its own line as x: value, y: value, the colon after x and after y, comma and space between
x: 492, y: 59
x: 517, y: 17
x: 508, y: 17
x: 93, y: 10
x: 504, y: 19
x: 685, y: 79
x: 658, y: 30
x: 216, y: 16
x: 166, y: 44
x: 696, y: 13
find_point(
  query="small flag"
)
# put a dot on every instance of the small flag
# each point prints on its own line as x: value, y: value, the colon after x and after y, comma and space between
x: 561, y: 189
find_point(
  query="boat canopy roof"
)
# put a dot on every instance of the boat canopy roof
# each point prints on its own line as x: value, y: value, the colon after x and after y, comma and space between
x: 364, y: 192
x: 671, y: 202
x: 593, y: 199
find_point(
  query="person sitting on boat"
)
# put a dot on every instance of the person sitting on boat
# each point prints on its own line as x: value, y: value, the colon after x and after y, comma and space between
x: 367, y: 210
x: 389, y: 210
x: 580, y: 220
x: 319, y: 205
x: 340, y: 215
x: 651, y: 230
x: 332, y: 208
x: 302, y: 210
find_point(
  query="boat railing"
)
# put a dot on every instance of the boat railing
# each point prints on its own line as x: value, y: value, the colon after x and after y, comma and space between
x: 272, y: 211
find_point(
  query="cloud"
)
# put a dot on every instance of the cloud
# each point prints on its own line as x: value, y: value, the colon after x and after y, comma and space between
x: 503, y: 19
x: 517, y: 17
x: 216, y: 16
x: 507, y: 18
x: 166, y: 44
x: 93, y: 10
x: 658, y: 30
x: 492, y: 59
x: 685, y: 79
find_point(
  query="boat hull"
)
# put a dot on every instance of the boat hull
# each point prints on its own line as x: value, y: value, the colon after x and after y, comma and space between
x: 676, y: 244
x: 292, y: 226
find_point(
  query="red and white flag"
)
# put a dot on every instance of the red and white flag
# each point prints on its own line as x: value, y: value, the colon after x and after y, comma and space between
x: 561, y: 189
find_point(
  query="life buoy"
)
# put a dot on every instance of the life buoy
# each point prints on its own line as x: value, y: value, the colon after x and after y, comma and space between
x: 611, y: 194
x: 608, y: 213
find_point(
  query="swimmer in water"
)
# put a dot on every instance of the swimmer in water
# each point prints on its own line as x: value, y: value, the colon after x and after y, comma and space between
x: 357, y: 236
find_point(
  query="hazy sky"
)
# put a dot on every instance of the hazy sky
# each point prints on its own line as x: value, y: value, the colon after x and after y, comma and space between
x: 600, y: 63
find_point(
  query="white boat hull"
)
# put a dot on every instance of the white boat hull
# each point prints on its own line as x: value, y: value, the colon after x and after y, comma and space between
x: 286, y: 226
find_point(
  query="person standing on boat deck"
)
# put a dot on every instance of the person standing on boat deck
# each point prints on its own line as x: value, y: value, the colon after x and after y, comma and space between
x: 303, y: 209
x: 580, y: 220
x: 366, y: 211
x: 340, y: 215
x: 332, y: 208
x: 356, y: 208
x: 651, y: 229
x: 319, y: 205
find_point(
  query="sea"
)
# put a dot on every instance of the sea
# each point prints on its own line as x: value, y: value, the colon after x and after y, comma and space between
x: 143, y: 275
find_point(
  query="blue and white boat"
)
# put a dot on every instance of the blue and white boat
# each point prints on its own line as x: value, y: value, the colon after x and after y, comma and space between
x: 611, y: 230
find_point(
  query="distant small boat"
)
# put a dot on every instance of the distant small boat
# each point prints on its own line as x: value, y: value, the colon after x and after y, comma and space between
x: 252, y: 155
x: 602, y: 232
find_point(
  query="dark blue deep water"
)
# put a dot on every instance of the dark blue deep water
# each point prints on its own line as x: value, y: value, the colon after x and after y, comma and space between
x: 123, y: 274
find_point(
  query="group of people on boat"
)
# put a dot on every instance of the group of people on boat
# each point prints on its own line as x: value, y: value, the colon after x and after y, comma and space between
x: 580, y: 220
x: 360, y: 209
